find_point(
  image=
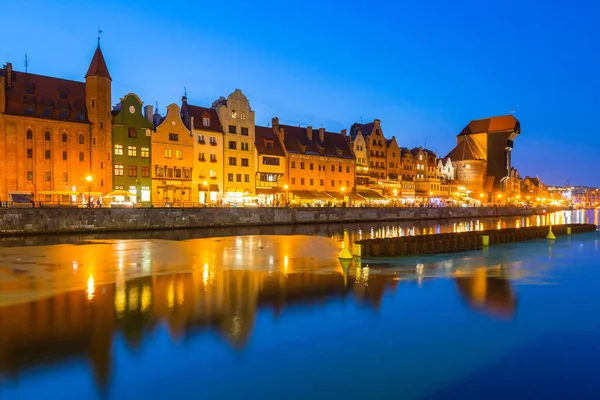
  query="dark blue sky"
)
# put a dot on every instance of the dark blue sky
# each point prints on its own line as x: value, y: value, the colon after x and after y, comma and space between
x: 424, y: 68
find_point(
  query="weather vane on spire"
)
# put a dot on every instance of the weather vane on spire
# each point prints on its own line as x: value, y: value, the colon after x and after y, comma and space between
x: 99, y: 32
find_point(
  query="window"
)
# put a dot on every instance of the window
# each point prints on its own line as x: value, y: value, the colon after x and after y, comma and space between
x: 213, y: 140
x: 339, y: 168
x: 232, y: 161
x: 233, y: 114
x: 174, y: 137
x: 293, y: 181
x: 160, y: 172
x: 81, y: 156
x: 47, y: 155
x: 201, y: 157
x: 47, y: 112
x: 118, y: 149
x: 101, y: 164
x: 244, y: 162
x: 94, y: 141
x: 232, y: 129
x: 29, y: 134
x: 333, y: 168
x: 302, y: 181
x: 186, y: 173
x: 238, y: 177
x: 245, y: 146
x: 80, y: 116
x: 302, y: 165
x: 131, y: 151
x: 47, y: 136
x: 29, y: 175
x: 179, y: 154
x: 206, y: 121
x: 118, y: 170
x: 64, y: 156
x: 270, y: 160
x: 48, y: 176
x: 322, y: 182
x: 93, y: 102
x: 119, y: 187
x: 201, y: 139
x: 232, y: 145
x: 168, y: 153
x: 28, y: 109
x: 312, y: 181
x: 81, y: 140
x: 145, y: 152
x: 347, y: 169
x: 242, y: 115
x: 311, y: 166
x: 63, y: 113
x: 132, y: 171
x: 29, y: 153
x: 293, y: 164
x: 269, y: 145
x: 213, y: 158
x: 102, y: 126
x: 247, y: 178
x: 132, y: 132
x: 230, y: 177
x: 212, y: 173
x: 65, y: 177
x: 347, y: 183
x: 244, y: 131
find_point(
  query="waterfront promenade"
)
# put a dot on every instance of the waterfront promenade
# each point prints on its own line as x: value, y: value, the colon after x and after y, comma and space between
x: 14, y: 221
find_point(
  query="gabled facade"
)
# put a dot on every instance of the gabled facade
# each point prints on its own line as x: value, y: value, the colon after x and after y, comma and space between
x: 132, y: 148
x: 445, y: 169
x: 207, y: 134
x: 237, y: 119
x: 376, y: 148
x: 271, y: 164
x: 54, y: 133
x: 172, y: 160
x: 359, y: 147
x: 392, y: 159
x: 408, y: 174
x: 321, y: 164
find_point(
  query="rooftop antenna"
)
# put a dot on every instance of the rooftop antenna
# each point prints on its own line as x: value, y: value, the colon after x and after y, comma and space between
x: 26, y: 63
x: 156, y: 104
x: 184, y: 91
x: 361, y: 120
x: 426, y: 142
x: 99, y: 32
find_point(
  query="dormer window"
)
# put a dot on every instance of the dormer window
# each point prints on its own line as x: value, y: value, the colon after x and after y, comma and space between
x: 205, y: 121
x: 269, y: 144
x: 63, y: 92
x: 233, y: 114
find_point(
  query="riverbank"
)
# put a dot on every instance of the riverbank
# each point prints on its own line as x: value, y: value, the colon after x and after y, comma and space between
x: 56, y: 220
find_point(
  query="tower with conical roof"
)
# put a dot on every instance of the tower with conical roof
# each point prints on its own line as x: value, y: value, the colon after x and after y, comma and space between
x: 98, y: 104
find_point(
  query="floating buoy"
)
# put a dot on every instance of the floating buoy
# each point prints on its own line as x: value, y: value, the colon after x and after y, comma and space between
x: 345, y: 253
x: 550, y: 234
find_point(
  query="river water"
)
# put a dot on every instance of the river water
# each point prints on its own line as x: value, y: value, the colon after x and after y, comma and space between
x: 271, y: 313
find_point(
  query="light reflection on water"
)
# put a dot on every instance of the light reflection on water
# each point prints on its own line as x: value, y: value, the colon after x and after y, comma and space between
x: 121, y: 310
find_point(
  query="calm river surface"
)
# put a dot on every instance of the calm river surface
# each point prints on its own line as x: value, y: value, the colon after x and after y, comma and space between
x: 271, y: 313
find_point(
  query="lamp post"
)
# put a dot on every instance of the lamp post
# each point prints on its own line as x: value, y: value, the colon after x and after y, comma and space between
x: 287, y: 194
x: 89, y: 181
x: 205, y: 184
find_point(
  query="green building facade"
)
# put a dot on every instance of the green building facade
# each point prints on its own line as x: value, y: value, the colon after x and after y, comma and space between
x: 131, y: 151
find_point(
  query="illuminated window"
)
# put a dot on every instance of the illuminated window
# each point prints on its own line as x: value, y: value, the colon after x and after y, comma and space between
x: 206, y: 121
x: 168, y: 153
x: 118, y: 170
x: 179, y: 154
x: 242, y: 115
x: 132, y: 170
x: 233, y: 114
x: 48, y: 176
x: 132, y: 151
x: 145, y: 152
x: 118, y: 149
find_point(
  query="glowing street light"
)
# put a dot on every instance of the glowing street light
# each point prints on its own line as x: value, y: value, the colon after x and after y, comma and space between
x: 287, y: 194
x: 89, y: 180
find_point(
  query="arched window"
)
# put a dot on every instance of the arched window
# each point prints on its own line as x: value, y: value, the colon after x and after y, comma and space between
x: 47, y: 136
x: 80, y: 139
x: 64, y: 138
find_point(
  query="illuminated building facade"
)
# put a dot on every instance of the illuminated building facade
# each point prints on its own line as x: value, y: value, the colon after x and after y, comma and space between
x: 172, y: 160
x: 132, y: 148
x: 271, y: 164
x: 54, y: 133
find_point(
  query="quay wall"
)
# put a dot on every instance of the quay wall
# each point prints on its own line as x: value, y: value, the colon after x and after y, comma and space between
x: 14, y: 221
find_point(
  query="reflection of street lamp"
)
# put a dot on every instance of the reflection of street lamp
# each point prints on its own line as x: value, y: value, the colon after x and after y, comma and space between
x: 89, y: 181
x: 287, y: 194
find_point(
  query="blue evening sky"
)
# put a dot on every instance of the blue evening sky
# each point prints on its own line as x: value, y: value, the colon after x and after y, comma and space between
x: 425, y: 68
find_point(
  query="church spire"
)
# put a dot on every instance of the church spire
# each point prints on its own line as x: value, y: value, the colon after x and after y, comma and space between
x: 98, y: 65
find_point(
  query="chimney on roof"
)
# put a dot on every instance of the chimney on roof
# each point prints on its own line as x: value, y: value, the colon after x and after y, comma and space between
x: 343, y: 132
x: 275, y: 124
x: 8, y: 68
x: 148, y: 112
x: 322, y: 134
x: 309, y: 132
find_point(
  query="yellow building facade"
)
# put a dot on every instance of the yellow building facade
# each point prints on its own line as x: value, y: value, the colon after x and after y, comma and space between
x: 271, y: 165
x: 172, y: 160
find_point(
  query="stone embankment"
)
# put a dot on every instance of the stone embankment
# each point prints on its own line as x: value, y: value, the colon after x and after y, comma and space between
x: 461, y: 241
x: 14, y: 221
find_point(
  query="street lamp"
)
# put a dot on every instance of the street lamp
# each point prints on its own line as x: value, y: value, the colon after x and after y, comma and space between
x: 287, y: 194
x: 89, y: 181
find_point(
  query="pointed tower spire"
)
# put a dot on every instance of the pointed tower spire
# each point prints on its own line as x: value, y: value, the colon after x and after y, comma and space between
x: 98, y: 65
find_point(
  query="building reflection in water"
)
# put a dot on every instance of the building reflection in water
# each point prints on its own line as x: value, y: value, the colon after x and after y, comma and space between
x: 489, y: 290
